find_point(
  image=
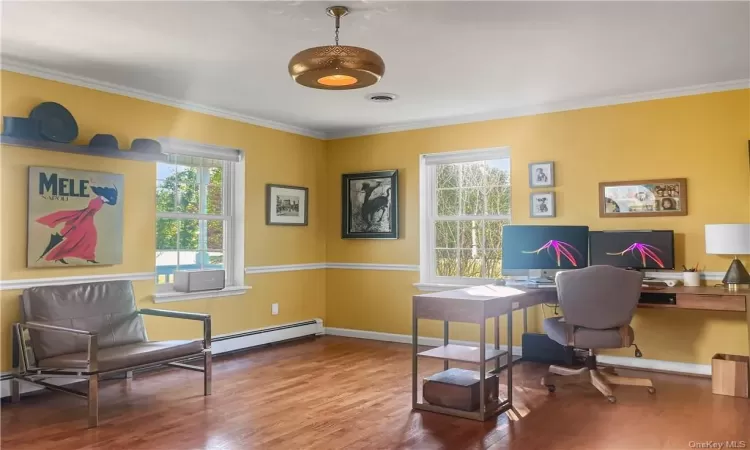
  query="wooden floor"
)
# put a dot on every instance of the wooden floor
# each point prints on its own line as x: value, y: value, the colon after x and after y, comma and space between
x: 340, y: 393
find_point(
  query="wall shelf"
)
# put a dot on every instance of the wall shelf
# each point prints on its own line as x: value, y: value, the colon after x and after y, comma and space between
x: 83, y: 150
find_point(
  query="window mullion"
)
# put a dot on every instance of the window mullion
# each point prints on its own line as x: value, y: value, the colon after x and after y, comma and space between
x: 460, y: 213
x: 228, y: 199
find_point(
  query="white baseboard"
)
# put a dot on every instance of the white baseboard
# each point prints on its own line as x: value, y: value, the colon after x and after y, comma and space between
x: 223, y: 343
x: 655, y: 364
x: 253, y: 338
x: 634, y: 363
x: 402, y: 338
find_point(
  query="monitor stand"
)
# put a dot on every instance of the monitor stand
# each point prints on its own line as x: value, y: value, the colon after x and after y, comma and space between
x: 540, y: 277
x: 645, y: 278
x: 540, y: 281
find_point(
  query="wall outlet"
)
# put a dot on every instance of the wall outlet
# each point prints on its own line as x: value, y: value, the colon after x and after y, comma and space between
x: 274, y: 309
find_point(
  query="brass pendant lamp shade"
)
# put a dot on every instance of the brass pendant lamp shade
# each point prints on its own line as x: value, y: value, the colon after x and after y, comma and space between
x: 336, y: 67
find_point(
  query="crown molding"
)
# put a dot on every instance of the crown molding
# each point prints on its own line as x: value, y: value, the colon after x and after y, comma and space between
x: 13, y: 65
x: 583, y: 103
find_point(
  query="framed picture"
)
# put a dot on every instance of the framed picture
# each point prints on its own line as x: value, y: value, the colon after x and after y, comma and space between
x: 75, y: 218
x: 645, y: 198
x: 369, y: 203
x: 542, y: 174
x: 542, y: 204
x: 286, y: 205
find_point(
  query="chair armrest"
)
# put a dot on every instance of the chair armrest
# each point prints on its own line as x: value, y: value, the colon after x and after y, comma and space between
x: 54, y: 328
x: 205, y: 318
x: 175, y: 314
x: 93, y: 341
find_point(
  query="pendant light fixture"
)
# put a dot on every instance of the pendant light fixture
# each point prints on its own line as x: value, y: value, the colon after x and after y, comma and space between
x: 336, y: 67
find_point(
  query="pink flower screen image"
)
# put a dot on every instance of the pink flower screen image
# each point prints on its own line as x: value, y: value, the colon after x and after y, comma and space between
x: 561, y: 249
x: 646, y: 252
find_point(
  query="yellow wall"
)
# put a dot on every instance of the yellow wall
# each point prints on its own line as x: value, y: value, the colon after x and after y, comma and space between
x: 270, y: 157
x: 702, y: 138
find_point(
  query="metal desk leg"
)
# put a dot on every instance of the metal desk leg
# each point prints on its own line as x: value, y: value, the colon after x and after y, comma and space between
x: 496, y: 323
x: 510, y: 359
x: 525, y: 320
x: 414, y: 348
x: 482, y: 368
x: 446, y: 364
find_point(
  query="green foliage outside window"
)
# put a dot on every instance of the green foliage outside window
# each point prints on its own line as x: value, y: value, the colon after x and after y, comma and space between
x: 473, y: 204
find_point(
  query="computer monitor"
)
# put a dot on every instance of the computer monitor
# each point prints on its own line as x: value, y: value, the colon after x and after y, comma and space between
x: 649, y: 249
x: 530, y: 247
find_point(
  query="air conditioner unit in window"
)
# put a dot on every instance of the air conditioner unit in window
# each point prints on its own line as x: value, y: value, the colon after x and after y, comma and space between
x: 199, y: 280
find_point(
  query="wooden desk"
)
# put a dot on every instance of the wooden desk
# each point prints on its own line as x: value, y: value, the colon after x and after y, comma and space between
x: 476, y: 304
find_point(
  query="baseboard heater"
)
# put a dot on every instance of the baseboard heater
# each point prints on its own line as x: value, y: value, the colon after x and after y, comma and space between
x: 220, y: 345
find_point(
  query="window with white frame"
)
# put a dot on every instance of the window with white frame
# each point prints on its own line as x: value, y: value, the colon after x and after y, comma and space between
x: 465, y: 202
x: 198, y: 224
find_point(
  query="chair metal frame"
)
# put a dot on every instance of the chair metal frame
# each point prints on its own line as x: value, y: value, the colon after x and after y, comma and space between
x: 26, y: 370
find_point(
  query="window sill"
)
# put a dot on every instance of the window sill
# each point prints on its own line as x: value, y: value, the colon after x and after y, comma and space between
x: 173, y: 296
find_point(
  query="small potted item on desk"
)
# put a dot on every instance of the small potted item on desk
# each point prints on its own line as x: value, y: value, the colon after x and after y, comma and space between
x: 691, y: 276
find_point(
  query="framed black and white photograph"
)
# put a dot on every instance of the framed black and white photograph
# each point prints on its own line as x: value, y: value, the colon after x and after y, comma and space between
x: 542, y: 204
x: 286, y: 205
x: 542, y: 174
x: 369, y: 205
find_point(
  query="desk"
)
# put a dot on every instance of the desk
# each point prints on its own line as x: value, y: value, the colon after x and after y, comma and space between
x: 476, y: 304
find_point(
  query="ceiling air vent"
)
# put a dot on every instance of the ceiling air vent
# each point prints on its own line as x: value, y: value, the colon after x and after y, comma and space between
x: 381, y: 97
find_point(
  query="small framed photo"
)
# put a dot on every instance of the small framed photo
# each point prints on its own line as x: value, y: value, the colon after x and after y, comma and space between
x: 542, y: 174
x: 369, y: 203
x: 286, y: 205
x: 542, y: 204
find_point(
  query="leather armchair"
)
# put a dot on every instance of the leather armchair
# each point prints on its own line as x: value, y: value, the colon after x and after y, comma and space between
x: 91, y: 330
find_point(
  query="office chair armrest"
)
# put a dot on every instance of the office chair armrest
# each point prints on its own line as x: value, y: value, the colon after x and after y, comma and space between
x: 205, y: 318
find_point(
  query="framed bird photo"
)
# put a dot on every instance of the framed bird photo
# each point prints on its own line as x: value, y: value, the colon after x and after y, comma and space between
x: 75, y: 218
x: 370, y: 205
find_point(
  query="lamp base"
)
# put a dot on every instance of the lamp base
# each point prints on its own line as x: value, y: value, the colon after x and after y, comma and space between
x: 736, y: 275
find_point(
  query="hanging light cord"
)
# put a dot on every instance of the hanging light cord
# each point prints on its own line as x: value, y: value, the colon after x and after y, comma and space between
x: 338, y: 22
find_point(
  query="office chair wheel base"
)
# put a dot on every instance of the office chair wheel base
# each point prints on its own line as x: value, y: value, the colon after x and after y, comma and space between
x: 651, y: 390
x: 550, y: 388
x: 612, y: 399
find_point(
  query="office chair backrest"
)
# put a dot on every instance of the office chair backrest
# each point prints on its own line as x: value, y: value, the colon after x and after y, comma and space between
x: 599, y: 297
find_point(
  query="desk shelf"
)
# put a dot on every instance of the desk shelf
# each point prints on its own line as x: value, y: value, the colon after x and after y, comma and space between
x: 461, y: 353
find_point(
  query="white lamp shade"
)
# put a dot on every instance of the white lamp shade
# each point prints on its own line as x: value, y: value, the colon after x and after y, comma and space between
x: 728, y: 239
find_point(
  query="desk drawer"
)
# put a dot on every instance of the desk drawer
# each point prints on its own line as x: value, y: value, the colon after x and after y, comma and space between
x: 711, y: 302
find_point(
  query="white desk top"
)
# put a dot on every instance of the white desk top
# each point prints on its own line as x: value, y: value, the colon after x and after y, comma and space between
x: 476, y: 293
x: 476, y: 303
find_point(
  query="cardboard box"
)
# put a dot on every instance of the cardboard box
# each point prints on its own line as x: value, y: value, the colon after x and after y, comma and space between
x: 729, y: 375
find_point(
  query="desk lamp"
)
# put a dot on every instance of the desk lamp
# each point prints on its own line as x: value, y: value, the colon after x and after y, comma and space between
x: 730, y: 239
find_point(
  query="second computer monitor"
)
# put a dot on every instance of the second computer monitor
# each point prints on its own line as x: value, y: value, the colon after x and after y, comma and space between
x: 529, y: 247
x: 652, y: 249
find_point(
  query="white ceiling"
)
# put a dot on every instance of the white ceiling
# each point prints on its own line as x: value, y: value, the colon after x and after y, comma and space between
x: 448, y: 61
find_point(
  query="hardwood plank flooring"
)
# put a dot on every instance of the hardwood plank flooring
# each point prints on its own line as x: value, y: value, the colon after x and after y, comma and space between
x: 340, y: 393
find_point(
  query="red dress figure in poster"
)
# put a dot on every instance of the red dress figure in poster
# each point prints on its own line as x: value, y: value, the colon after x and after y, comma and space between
x: 78, y: 237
